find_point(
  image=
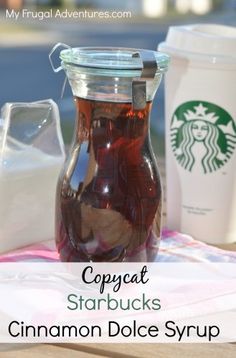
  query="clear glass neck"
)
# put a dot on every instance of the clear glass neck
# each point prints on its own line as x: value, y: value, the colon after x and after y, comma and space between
x: 107, y: 74
x: 90, y: 84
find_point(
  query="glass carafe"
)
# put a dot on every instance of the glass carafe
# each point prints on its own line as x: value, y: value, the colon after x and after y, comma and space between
x: 109, y: 194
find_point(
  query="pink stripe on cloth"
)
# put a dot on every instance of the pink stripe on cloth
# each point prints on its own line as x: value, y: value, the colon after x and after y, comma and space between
x: 174, y: 247
x: 177, y: 247
x: 44, y: 251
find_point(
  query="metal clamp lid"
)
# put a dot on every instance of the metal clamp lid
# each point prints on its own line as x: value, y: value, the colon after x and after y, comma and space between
x: 139, y: 85
x: 148, y: 71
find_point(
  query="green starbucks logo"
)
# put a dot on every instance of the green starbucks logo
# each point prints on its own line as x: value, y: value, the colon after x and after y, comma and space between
x: 202, y: 132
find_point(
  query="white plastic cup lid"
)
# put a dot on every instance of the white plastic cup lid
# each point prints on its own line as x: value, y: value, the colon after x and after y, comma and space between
x: 202, y: 39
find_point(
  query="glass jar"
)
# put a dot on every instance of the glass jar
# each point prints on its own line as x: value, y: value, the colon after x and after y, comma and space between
x: 109, y: 192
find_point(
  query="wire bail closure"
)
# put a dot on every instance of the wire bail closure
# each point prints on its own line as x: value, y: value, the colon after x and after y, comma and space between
x: 139, y: 85
x: 59, y: 44
x: 59, y: 68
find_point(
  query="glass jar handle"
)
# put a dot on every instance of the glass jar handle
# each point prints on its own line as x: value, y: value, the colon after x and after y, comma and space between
x: 59, y: 44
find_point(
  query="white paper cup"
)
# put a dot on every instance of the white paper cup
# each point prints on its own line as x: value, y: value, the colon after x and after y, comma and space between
x: 200, y: 107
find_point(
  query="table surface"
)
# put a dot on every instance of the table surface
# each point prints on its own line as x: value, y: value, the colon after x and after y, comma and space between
x: 137, y: 350
x: 121, y: 351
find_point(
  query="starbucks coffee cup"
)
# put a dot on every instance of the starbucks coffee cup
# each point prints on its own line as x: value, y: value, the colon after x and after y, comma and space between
x: 200, y: 108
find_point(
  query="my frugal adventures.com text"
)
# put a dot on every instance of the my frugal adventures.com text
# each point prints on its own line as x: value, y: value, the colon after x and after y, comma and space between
x: 65, y: 14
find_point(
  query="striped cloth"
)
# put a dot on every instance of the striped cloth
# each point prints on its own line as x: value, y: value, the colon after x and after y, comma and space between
x: 174, y: 247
